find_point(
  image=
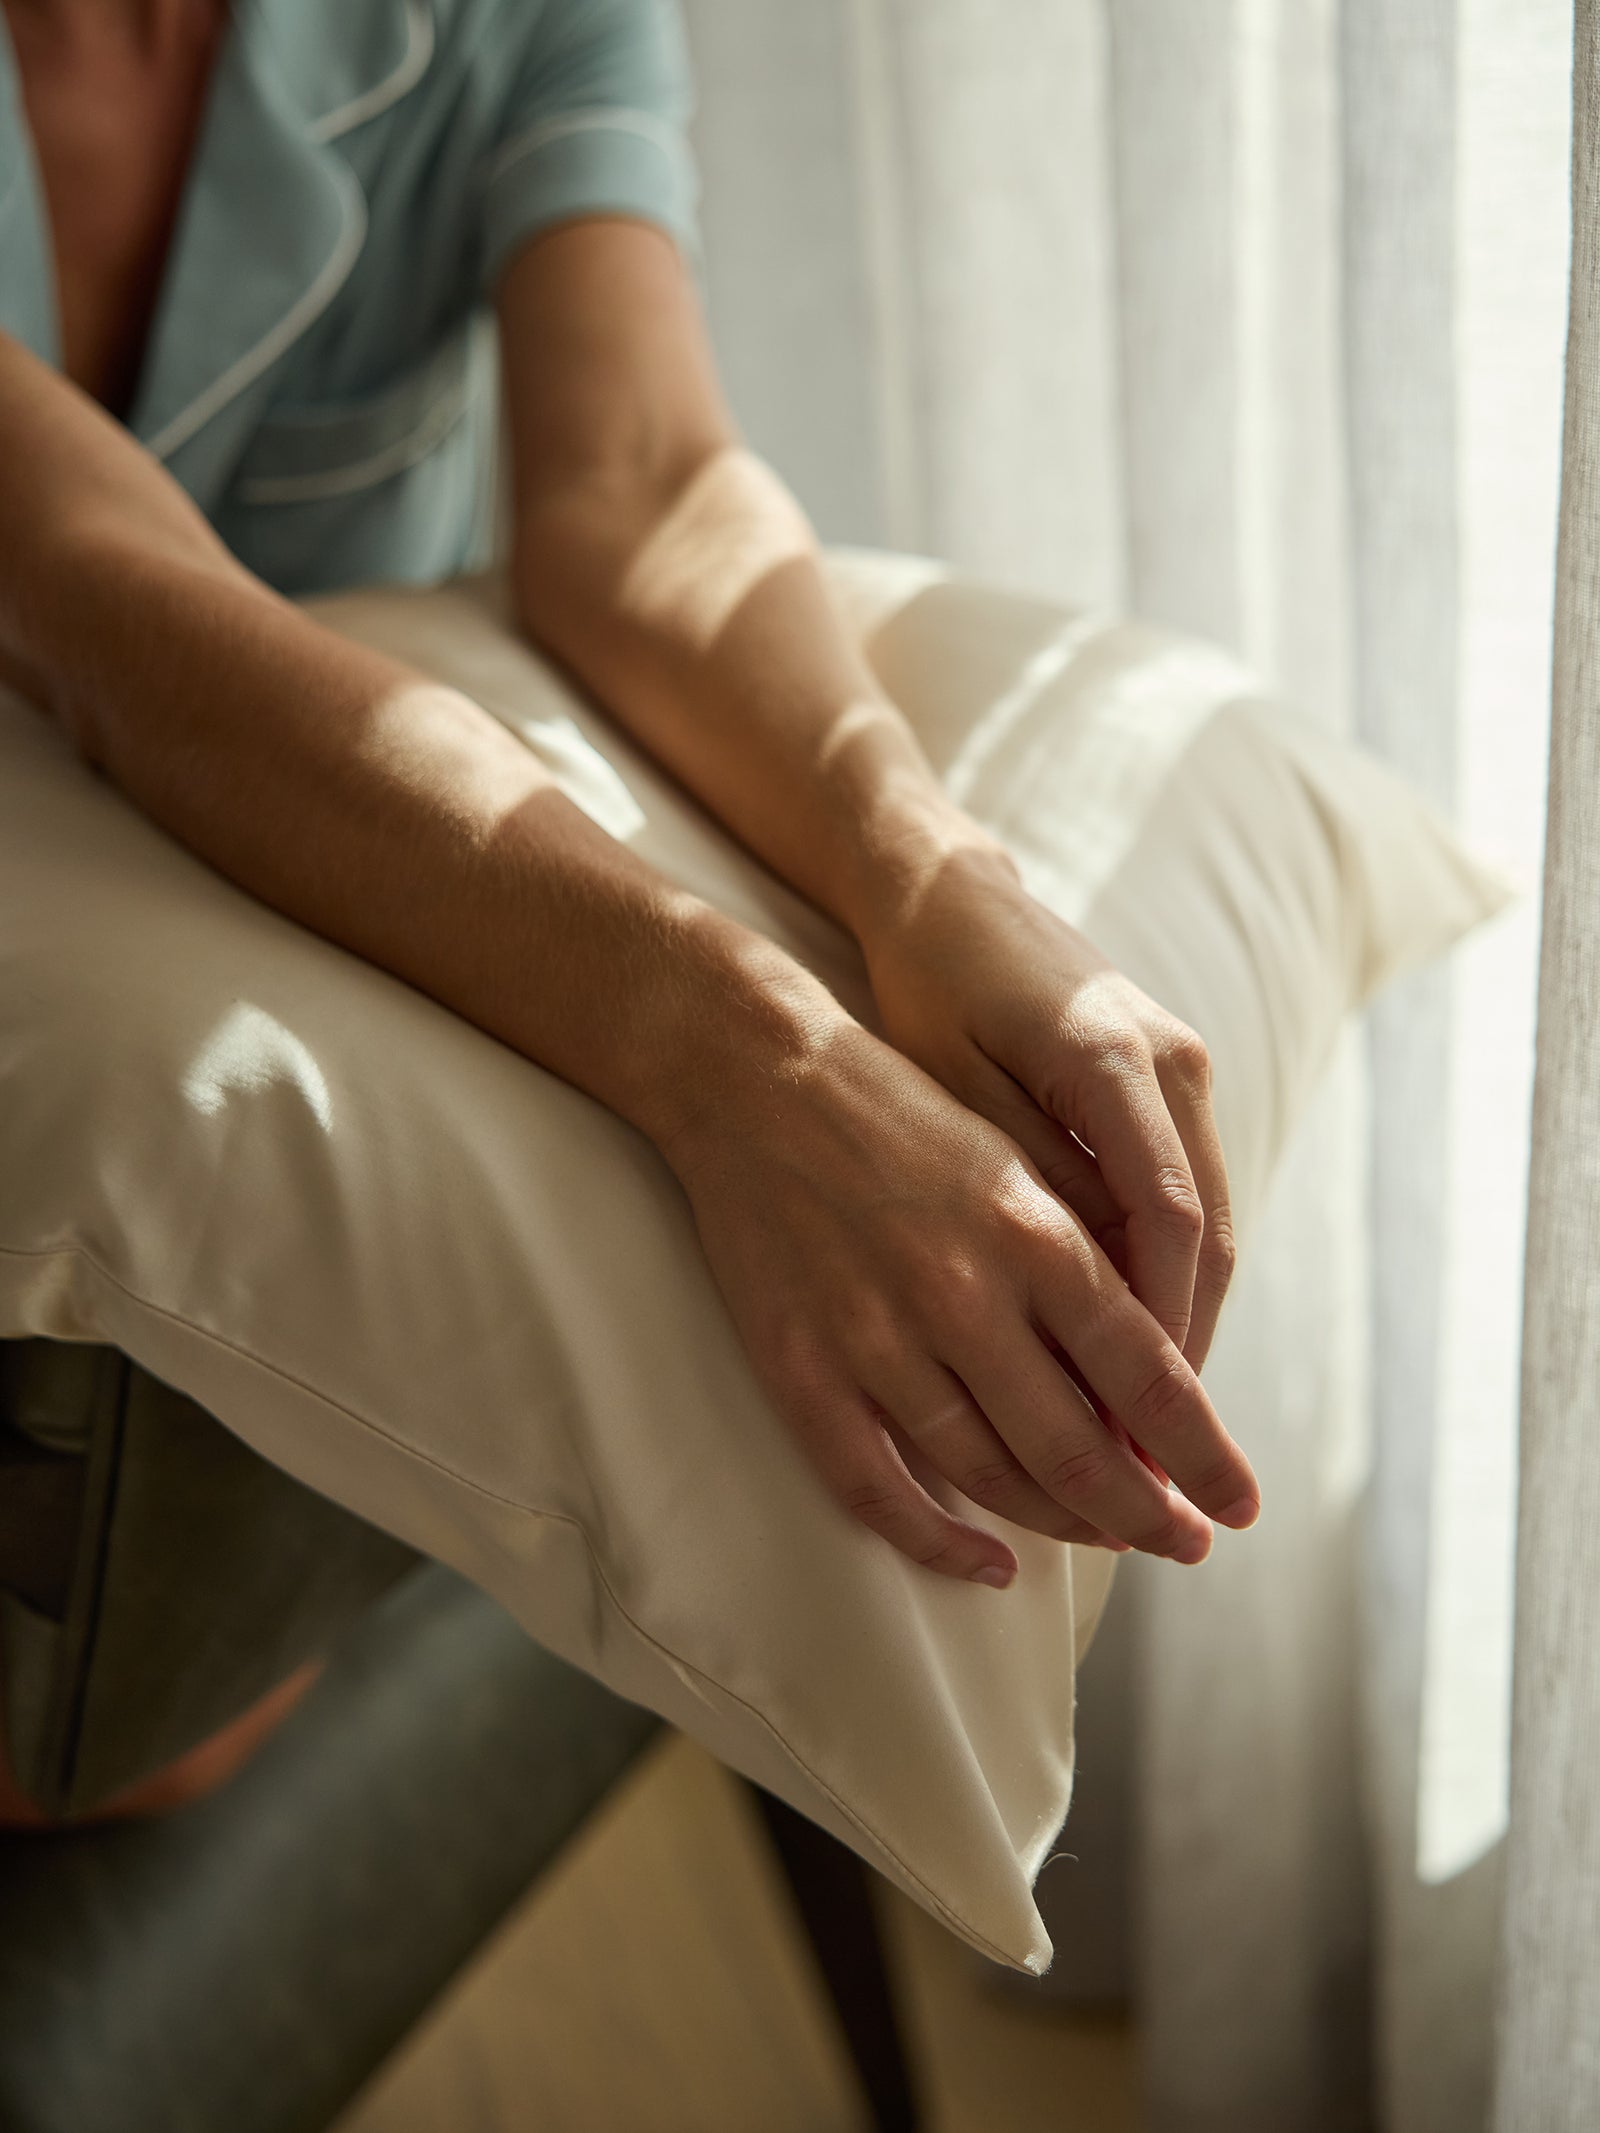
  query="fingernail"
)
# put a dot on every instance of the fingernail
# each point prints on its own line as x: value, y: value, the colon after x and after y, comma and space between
x: 1241, y: 1514
x: 992, y: 1574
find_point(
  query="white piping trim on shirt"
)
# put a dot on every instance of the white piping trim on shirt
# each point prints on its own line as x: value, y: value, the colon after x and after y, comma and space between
x: 405, y: 452
x: 293, y: 323
x: 413, y: 65
x: 597, y: 118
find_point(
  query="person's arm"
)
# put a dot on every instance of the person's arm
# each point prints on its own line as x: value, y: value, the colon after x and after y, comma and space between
x: 399, y: 819
x: 673, y: 572
x: 386, y: 812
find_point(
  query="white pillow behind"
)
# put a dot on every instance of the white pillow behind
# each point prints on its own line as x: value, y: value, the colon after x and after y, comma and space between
x: 448, y: 1290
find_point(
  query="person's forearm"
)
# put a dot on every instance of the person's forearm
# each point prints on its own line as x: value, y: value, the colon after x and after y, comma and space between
x: 695, y: 607
x: 392, y: 815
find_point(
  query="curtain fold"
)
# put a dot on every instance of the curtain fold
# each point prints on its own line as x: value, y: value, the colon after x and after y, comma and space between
x: 1249, y: 314
x: 1549, y: 2071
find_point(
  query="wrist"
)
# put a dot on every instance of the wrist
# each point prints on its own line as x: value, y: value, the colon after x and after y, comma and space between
x: 915, y: 848
x: 735, y: 1022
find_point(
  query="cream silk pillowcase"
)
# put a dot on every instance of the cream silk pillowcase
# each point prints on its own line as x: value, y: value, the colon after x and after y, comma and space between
x: 443, y: 1287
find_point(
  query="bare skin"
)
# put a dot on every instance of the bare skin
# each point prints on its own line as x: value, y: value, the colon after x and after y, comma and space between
x: 191, y: 1777
x: 113, y: 92
x: 940, y: 1285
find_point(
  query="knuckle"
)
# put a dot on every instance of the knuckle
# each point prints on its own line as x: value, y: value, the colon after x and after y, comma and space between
x: 1124, y: 1051
x: 1165, y: 1537
x: 1037, y: 1232
x: 1221, y: 1248
x: 872, y: 1501
x: 956, y: 1291
x: 1081, y: 1472
x: 991, y: 1483
x: 1163, y: 1396
x: 948, y: 1556
x: 1185, y: 1052
x: 1176, y: 1206
x: 1020, y: 1218
x: 944, y: 1551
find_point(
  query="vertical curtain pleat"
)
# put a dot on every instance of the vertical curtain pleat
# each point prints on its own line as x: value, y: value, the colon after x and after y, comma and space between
x: 1176, y: 143
x: 1399, y: 71
x: 1549, y: 2074
x: 790, y: 288
x: 994, y: 338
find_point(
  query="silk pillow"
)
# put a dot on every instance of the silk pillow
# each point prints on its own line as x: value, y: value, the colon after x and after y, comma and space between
x: 444, y: 1288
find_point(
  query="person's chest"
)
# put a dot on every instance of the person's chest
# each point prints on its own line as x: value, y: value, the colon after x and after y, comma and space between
x: 314, y: 362
x: 113, y: 123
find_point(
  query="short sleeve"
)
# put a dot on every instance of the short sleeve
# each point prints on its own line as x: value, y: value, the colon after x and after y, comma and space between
x: 595, y: 122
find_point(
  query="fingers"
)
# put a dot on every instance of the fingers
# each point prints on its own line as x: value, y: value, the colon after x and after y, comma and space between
x: 1074, y: 1457
x: 1144, y: 1383
x: 1066, y: 1166
x: 861, y: 1469
x: 1108, y: 1419
x: 1186, y: 1084
x: 1143, y: 1160
x: 942, y: 1433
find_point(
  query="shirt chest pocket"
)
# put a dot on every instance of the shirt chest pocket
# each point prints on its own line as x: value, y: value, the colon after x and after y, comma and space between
x: 386, y: 485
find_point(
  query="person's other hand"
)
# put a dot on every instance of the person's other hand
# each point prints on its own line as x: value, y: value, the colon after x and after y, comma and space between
x: 1022, y: 1019
x: 902, y: 1277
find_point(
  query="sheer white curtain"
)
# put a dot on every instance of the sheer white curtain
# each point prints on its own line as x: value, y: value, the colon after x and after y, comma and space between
x: 1250, y: 314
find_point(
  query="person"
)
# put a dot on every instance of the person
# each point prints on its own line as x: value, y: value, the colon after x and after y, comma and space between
x: 247, y: 256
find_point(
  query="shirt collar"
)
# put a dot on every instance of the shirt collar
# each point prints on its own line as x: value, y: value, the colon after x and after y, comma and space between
x: 273, y: 218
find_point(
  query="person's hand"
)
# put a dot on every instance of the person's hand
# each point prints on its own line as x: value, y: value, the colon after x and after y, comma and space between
x: 916, y: 1301
x: 1022, y: 1019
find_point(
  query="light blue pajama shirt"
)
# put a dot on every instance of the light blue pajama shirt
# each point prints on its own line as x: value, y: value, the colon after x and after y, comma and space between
x: 318, y: 375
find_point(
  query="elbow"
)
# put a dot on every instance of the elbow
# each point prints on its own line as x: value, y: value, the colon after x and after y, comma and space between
x: 675, y: 557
